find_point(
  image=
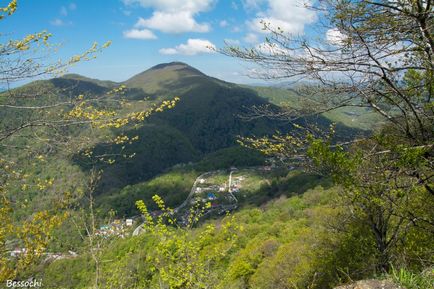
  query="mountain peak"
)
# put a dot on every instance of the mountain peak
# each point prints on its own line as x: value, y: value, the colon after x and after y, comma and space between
x: 170, y: 65
x: 176, y: 65
x: 164, y: 74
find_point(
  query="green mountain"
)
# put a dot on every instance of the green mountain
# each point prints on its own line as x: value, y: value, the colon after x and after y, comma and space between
x: 206, y: 119
x: 205, y: 123
x: 164, y: 78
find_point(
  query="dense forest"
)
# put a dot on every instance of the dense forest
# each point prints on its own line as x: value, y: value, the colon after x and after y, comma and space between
x: 175, y: 179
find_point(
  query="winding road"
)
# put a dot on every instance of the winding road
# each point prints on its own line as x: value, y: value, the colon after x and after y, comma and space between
x: 140, y: 229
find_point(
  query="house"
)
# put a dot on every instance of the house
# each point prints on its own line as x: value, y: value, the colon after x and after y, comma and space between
x: 129, y: 222
x: 211, y: 196
x: 17, y: 252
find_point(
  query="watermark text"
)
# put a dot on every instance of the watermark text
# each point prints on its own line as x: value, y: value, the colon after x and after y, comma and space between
x: 23, y: 284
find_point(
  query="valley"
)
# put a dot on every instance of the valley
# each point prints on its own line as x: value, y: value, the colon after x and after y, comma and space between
x: 206, y: 123
x: 207, y: 144
x: 271, y: 215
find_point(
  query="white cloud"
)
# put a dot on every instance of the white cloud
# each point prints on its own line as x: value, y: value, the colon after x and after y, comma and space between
x: 272, y: 49
x: 289, y: 15
x: 142, y: 34
x: 168, y: 22
x: 223, y: 23
x: 252, y: 4
x: 192, y: 47
x: 335, y: 37
x: 168, y: 51
x: 57, y: 22
x: 251, y: 38
x: 174, y: 16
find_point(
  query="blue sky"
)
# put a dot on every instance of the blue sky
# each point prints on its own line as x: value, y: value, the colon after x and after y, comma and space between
x: 148, y: 32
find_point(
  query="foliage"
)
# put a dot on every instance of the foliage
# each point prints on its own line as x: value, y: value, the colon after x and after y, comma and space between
x: 37, y: 123
x: 178, y: 260
x: 173, y: 186
x: 385, y: 65
x: 31, y: 236
x: 378, y: 186
x: 236, y: 156
x: 371, y: 37
x: 289, y: 243
x: 260, y: 189
x: 412, y: 280
x: 378, y: 215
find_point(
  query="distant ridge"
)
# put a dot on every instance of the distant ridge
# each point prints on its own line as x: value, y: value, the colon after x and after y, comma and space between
x: 76, y: 76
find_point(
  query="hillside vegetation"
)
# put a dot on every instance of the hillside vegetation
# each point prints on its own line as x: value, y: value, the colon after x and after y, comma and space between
x: 287, y: 231
x: 173, y: 179
x: 289, y: 242
x: 206, y: 120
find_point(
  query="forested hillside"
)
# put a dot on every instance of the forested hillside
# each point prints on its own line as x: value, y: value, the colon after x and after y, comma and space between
x: 207, y: 118
x: 174, y: 179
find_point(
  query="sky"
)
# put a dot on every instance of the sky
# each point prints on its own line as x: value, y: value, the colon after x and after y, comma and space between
x: 145, y: 33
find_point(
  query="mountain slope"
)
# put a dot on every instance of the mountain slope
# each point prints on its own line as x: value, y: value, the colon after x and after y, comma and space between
x: 205, y: 120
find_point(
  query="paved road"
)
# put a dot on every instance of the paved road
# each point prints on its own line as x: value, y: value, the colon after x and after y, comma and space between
x: 230, y: 187
x: 193, y: 190
x: 140, y: 229
x: 230, y: 207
